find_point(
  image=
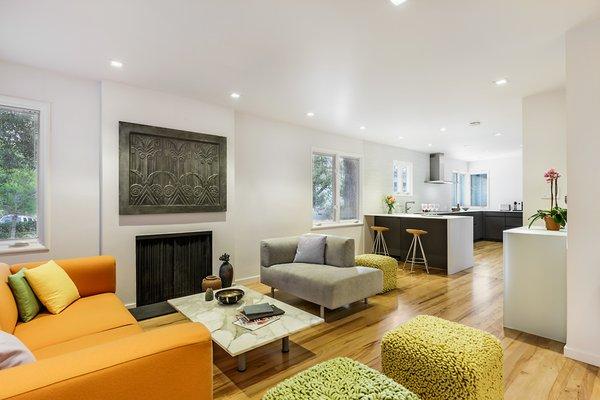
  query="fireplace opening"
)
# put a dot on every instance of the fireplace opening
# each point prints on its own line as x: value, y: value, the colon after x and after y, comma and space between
x: 169, y: 266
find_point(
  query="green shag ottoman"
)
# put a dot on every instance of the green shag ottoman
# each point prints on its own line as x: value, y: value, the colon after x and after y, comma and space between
x: 443, y: 360
x: 388, y: 265
x: 339, y: 379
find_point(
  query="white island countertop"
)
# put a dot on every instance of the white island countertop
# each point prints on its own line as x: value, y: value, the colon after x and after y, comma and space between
x: 536, y: 230
x: 428, y: 216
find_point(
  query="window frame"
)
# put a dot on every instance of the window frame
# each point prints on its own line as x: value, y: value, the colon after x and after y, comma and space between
x: 456, y: 188
x: 337, y: 222
x: 411, y: 178
x: 42, y: 243
x: 487, y: 189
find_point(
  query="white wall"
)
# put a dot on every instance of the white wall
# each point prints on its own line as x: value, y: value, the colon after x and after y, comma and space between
x: 583, y: 142
x: 544, y: 146
x: 505, y: 177
x: 273, y: 184
x: 379, y: 160
x: 125, y: 103
x: 74, y: 154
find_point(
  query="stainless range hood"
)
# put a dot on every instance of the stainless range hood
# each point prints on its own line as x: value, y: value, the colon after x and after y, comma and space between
x: 436, y: 169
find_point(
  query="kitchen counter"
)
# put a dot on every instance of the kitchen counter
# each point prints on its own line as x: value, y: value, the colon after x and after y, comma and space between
x: 448, y: 244
x: 430, y: 216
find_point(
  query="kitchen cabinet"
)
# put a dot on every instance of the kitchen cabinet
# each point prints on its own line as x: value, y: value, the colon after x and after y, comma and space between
x: 496, y: 222
x: 489, y: 225
x: 494, y: 226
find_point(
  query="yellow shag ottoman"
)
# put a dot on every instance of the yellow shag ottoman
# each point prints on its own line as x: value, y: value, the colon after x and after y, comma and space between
x: 442, y: 360
x: 388, y: 265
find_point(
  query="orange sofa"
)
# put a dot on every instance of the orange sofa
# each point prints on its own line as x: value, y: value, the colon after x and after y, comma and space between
x: 95, y: 349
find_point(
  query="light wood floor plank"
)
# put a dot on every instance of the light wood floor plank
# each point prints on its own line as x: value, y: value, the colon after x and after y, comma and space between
x: 534, y: 368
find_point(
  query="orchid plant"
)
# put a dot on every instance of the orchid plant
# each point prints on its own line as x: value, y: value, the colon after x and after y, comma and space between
x: 390, y: 202
x: 555, y: 217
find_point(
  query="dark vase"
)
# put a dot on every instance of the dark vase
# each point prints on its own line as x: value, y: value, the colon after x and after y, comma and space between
x: 226, y: 274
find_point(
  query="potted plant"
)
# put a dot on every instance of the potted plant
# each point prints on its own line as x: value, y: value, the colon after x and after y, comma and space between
x: 390, y: 202
x: 556, y: 217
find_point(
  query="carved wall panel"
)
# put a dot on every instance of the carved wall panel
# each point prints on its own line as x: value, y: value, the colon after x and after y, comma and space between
x: 170, y: 171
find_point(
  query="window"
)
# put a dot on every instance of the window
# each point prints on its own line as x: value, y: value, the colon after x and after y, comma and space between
x: 335, y: 187
x: 21, y: 125
x: 458, y: 189
x: 479, y: 189
x: 403, y: 178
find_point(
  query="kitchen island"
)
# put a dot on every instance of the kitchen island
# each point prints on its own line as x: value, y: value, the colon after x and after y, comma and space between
x: 448, y: 244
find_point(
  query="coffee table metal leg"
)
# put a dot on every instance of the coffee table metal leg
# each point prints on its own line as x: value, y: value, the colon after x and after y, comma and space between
x: 241, y: 359
x: 285, y: 344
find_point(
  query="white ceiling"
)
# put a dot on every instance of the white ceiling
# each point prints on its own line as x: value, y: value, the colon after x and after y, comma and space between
x: 400, y: 71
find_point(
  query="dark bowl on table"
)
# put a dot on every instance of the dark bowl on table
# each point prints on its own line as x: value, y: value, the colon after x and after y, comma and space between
x: 229, y: 296
x: 465, y: 208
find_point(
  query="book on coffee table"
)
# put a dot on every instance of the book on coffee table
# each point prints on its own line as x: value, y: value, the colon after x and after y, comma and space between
x: 252, y: 325
x: 254, y: 309
x: 270, y: 311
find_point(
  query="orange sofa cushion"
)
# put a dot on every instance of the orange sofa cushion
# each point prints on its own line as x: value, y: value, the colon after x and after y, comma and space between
x: 173, y: 362
x: 85, y: 316
x: 91, y: 275
x: 87, y: 341
x: 8, y: 307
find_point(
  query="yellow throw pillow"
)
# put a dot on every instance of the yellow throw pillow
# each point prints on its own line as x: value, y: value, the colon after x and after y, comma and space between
x: 52, y: 286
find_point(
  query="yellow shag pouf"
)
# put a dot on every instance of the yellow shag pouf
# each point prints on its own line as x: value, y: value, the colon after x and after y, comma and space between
x: 442, y: 360
x: 388, y: 265
x: 339, y: 379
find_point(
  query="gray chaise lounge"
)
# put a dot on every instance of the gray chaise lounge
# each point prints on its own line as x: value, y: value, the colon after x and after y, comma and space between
x: 335, y: 284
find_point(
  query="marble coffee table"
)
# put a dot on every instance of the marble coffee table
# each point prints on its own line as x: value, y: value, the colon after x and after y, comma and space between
x: 238, y: 341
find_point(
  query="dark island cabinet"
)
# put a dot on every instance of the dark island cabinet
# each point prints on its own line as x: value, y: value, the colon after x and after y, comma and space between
x: 490, y: 225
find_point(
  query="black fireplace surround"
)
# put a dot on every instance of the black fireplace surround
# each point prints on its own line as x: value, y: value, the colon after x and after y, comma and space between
x: 171, y: 265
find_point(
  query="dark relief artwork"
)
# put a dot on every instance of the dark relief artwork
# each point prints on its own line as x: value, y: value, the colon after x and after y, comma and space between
x: 170, y: 171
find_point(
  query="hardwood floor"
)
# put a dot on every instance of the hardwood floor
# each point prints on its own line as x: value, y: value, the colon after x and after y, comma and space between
x: 534, y: 368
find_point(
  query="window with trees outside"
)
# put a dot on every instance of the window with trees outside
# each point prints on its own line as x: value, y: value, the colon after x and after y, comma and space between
x: 335, y: 188
x: 479, y: 189
x: 403, y: 178
x: 19, y: 172
x: 459, y: 195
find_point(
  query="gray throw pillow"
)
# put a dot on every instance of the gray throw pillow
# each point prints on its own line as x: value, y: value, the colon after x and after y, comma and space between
x: 13, y: 352
x: 311, y: 249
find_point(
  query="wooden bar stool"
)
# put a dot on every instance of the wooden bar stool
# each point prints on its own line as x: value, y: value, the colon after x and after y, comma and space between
x: 417, y: 233
x: 379, y: 246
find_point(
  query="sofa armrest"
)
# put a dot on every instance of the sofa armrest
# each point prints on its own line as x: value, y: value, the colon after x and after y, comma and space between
x: 92, y: 275
x: 278, y: 251
x: 174, y: 362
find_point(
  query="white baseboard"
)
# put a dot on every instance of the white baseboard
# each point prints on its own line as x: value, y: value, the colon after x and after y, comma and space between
x: 249, y: 279
x: 130, y: 305
x: 583, y: 356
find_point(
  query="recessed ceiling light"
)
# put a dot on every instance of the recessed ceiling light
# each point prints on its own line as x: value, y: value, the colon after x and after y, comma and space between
x: 501, y: 82
x: 362, y: 128
x: 235, y: 95
x: 497, y: 134
x: 397, y: 2
x: 400, y: 137
x: 310, y: 114
x: 475, y: 123
x: 429, y: 144
x: 443, y: 129
x: 116, y: 64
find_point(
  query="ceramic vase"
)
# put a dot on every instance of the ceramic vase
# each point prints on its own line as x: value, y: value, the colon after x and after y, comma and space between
x: 211, y: 281
x: 226, y: 274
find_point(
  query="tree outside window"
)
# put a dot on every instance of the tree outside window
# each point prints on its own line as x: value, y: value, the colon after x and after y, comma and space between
x: 19, y: 136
